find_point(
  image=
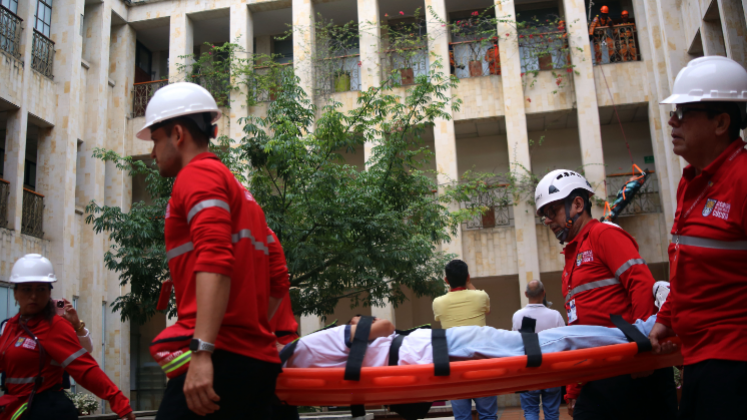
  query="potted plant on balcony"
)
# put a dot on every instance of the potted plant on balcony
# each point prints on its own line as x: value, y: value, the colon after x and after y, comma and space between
x: 336, y: 54
x: 405, y: 45
x: 476, y: 32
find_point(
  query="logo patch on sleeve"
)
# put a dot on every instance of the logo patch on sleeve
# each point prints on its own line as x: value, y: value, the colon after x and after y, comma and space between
x: 20, y: 341
x: 584, y: 257
x: 717, y: 208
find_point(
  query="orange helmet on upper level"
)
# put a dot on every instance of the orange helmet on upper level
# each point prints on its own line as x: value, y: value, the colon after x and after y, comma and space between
x: 604, y: 9
x: 624, y: 13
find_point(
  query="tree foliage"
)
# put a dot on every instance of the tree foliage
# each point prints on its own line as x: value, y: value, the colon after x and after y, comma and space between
x: 364, y: 233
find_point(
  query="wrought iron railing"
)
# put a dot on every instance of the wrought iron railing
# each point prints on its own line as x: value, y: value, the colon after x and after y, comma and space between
x: 42, y: 55
x: 647, y: 200
x: 614, y: 44
x: 142, y: 94
x: 338, y: 74
x: 10, y: 32
x: 405, y: 64
x: 32, y: 220
x: 267, y: 85
x: 544, y: 51
x: 474, y: 58
x: 4, y: 196
x: 497, y: 201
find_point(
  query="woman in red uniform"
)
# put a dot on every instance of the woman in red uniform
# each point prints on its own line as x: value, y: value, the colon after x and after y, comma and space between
x: 36, y: 346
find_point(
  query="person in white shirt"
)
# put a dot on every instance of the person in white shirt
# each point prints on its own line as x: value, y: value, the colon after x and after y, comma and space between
x: 546, y: 319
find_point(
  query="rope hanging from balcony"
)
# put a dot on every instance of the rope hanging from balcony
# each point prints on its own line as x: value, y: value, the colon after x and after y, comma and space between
x: 634, y: 184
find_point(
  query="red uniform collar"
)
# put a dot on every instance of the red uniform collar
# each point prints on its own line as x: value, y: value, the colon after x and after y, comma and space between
x: 203, y: 156
x: 710, y: 170
x: 458, y: 289
x: 583, y: 233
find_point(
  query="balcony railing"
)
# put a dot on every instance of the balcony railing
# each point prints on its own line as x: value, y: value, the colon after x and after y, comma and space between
x: 10, y: 32
x: 474, y: 58
x: 405, y: 64
x: 646, y: 201
x: 499, y: 209
x: 142, y: 94
x: 32, y: 220
x: 338, y: 74
x: 269, y: 81
x: 4, y: 196
x: 42, y: 54
x: 544, y: 51
x: 614, y: 44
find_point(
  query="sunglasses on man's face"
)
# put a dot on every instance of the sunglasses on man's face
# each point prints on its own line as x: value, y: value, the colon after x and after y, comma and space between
x: 682, y: 110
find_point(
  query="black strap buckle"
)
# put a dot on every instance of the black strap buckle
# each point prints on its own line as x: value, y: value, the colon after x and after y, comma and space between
x: 631, y: 333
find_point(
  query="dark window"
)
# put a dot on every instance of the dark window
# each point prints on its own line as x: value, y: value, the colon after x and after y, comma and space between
x: 29, y: 175
x: 283, y: 49
x: 143, y: 58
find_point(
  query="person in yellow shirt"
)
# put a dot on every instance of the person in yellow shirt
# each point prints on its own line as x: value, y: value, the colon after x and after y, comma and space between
x: 464, y: 306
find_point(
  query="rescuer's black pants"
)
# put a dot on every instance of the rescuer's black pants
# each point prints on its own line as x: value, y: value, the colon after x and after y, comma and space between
x: 246, y: 388
x: 714, y: 389
x: 623, y: 398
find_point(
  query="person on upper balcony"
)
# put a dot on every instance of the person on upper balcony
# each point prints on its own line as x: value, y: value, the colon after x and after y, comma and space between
x: 600, y: 30
x: 708, y: 251
x: 493, y: 57
x: 604, y: 274
x: 626, y: 32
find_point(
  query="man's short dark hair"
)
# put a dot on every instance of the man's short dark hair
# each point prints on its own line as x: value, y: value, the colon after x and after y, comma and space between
x: 580, y: 192
x: 735, y: 116
x: 189, y: 123
x: 457, y: 273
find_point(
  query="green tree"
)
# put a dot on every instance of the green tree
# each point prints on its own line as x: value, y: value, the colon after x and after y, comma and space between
x: 347, y: 232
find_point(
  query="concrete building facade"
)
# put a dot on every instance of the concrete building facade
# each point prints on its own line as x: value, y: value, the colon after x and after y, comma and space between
x: 72, y: 71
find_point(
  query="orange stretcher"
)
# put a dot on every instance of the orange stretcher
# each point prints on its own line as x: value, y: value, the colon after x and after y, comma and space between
x: 468, y: 379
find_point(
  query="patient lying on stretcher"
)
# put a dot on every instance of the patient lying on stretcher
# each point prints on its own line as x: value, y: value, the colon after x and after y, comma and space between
x: 330, y: 348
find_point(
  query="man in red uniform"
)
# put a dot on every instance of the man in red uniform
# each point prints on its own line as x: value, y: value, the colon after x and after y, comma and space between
x: 604, y: 274
x: 708, y: 252
x: 217, y: 250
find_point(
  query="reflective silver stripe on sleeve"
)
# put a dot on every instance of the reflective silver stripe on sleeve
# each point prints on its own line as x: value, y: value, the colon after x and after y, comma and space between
x: 246, y: 233
x: 270, y: 239
x: 179, y: 250
x: 73, y: 356
x: 202, y: 205
x: 623, y: 268
x: 20, y: 380
x: 589, y: 286
x: 710, y: 243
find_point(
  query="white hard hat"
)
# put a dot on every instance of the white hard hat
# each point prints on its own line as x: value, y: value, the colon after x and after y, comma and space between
x: 32, y: 268
x: 177, y: 100
x: 558, y: 185
x: 709, y: 79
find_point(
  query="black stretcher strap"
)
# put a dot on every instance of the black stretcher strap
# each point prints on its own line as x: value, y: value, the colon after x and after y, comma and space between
x: 631, y: 333
x: 531, y: 342
x: 528, y: 325
x: 394, y: 350
x: 440, y: 353
x: 358, y: 349
x: 407, y: 332
x: 357, y: 410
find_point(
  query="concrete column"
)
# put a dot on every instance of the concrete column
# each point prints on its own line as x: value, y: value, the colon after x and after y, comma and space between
x: 712, y: 38
x: 669, y: 171
x: 370, y: 48
x: 118, y: 189
x: 309, y: 324
x: 589, y: 132
x: 734, y: 29
x: 518, y: 141
x: 242, y: 33
x: 444, y: 137
x: 17, y: 126
x: 181, y: 43
x: 57, y: 147
x: 303, y: 44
